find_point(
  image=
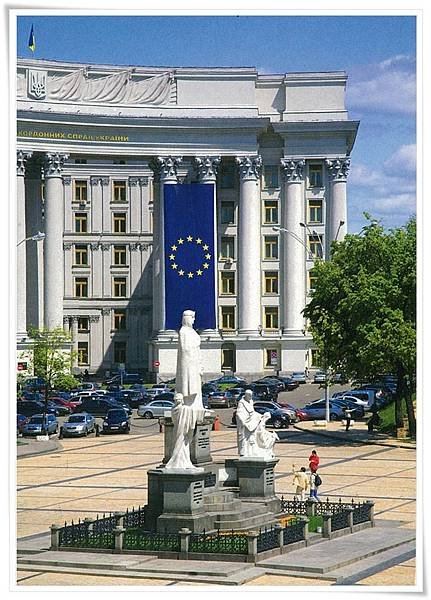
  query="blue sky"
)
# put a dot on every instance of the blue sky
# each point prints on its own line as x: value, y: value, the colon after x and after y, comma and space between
x: 378, y: 53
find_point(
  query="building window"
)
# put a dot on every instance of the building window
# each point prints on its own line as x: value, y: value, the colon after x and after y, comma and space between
x: 227, y: 282
x: 270, y: 177
x: 119, y: 319
x: 120, y: 352
x: 270, y: 247
x: 83, y: 325
x: 270, y: 282
x: 83, y: 353
x: 120, y: 256
x: 80, y: 161
x: 80, y: 191
x: 271, y: 317
x: 270, y: 212
x: 271, y: 357
x: 228, y: 317
x: 119, y: 287
x: 315, y: 211
x: 227, y: 213
x: 81, y: 223
x: 119, y: 191
x: 226, y: 177
x: 81, y: 287
x: 315, y: 176
x: 311, y: 280
x: 315, y: 244
x: 119, y: 222
x: 228, y: 358
x: 81, y: 255
x: 118, y: 162
x: 227, y: 248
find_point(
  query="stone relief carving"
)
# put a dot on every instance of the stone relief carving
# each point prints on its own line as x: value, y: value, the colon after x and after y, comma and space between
x: 293, y: 169
x: 67, y: 180
x: 338, y: 168
x: 94, y: 318
x: 165, y: 167
x: 67, y: 246
x: 124, y: 87
x: 105, y: 311
x: 249, y: 167
x: 53, y: 164
x: 142, y: 181
x: 37, y: 82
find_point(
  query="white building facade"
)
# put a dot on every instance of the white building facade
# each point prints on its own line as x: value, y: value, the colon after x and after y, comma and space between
x: 96, y: 144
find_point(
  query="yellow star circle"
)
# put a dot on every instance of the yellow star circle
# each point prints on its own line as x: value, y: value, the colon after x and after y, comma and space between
x: 175, y: 258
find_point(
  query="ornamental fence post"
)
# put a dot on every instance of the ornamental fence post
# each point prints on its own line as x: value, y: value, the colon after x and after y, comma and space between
x: 310, y: 507
x: 350, y: 510
x: 305, y: 533
x: 119, y: 519
x: 55, y: 535
x: 371, y: 511
x: 327, y: 529
x: 279, y: 532
x: 252, y: 543
x: 119, y: 538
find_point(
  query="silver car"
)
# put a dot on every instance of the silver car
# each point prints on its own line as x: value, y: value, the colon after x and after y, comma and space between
x: 78, y: 424
x: 35, y: 425
x: 154, y: 409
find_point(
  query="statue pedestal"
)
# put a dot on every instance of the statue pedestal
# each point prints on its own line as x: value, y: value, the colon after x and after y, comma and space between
x: 256, y: 481
x: 176, y: 500
x: 200, y: 448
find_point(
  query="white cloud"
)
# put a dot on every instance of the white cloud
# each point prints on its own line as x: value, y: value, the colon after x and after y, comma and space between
x: 389, y: 86
x: 402, y: 204
x: 404, y: 159
x: 381, y: 181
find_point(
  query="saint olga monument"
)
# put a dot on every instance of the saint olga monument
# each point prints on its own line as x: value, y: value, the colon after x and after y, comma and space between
x: 191, y: 490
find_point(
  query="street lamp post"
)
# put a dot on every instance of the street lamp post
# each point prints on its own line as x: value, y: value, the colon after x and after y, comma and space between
x: 36, y: 238
x: 298, y: 239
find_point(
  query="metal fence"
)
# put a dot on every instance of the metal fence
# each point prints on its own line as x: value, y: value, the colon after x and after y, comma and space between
x: 135, y: 539
x: 339, y: 520
x: 362, y: 513
x: 219, y: 543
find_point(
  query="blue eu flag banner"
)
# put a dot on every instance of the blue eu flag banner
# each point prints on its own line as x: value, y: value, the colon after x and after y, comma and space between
x: 189, y: 254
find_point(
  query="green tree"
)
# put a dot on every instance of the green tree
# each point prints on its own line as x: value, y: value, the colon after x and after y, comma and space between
x: 52, y: 356
x: 362, y: 313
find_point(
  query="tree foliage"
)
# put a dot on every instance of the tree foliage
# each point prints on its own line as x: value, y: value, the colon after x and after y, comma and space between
x: 362, y: 313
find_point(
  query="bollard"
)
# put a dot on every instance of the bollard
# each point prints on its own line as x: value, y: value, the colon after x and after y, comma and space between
x: 119, y: 536
x: 184, y: 534
x: 216, y: 424
x: 371, y: 503
x: 310, y: 507
x: 305, y: 532
x: 161, y: 427
x: 279, y: 530
x: 327, y: 526
x: 55, y: 535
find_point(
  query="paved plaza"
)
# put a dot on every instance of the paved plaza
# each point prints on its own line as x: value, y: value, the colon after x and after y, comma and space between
x: 96, y: 475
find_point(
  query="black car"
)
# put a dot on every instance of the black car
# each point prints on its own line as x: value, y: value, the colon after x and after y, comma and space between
x: 274, y: 381
x: 209, y: 388
x: 289, y: 383
x: 357, y: 411
x: 278, y: 418
x: 125, y: 379
x: 133, y: 397
x: 116, y: 421
x: 60, y: 409
x: 263, y: 391
x: 29, y: 408
x: 97, y: 406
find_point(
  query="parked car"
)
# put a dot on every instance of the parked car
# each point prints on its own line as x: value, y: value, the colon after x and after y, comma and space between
x: 268, y: 380
x: 125, y: 379
x: 237, y: 393
x: 21, y: 421
x: 78, y: 424
x: 263, y: 391
x: 155, y: 408
x: 36, y: 425
x: 319, y: 377
x: 35, y: 384
x: 300, y: 414
x: 30, y: 408
x: 231, y: 379
x: 62, y: 402
x: 133, y: 397
x: 289, y: 383
x: 299, y: 376
x: 358, y: 410
x: 368, y: 396
x: 277, y: 420
x: 353, y: 400
x: 116, y: 421
x: 31, y: 395
x: 97, y: 406
x: 317, y: 410
x: 208, y: 388
x: 339, y: 378
x: 221, y: 399
x: 86, y: 385
x: 277, y: 406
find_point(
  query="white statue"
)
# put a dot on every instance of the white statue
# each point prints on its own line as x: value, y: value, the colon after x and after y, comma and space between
x: 189, y: 364
x: 184, y: 418
x: 253, y: 439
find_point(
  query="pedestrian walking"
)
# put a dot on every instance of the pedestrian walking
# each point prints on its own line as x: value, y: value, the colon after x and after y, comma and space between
x: 314, y: 461
x: 315, y: 481
x: 348, y: 417
x: 301, y: 481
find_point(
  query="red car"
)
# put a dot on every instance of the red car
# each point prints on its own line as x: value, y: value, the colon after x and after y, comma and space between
x: 61, y: 402
x: 301, y: 414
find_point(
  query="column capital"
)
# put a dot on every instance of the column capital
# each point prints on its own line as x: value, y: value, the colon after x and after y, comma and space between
x: 206, y: 167
x: 134, y: 246
x: 105, y: 311
x: 249, y: 167
x: 67, y: 245
x: 21, y: 160
x: 134, y: 181
x: 293, y: 169
x: 338, y: 168
x: 165, y: 168
x: 105, y: 247
x: 94, y: 318
x: 74, y: 319
x: 53, y: 164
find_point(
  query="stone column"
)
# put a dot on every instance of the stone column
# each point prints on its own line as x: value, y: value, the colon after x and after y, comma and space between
x: 165, y: 170
x: 69, y: 291
x: 96, y: 205
x: 107, y: 351
x: 249, y: 244
x: 96, y: 270
x: 75, y: 341
x: 106, y: 208
x: 336, y: 220
x: 293, y: 244
x: 66, y: 325
x: 137, y: 208
x: 34, y: 250
x: 134, y: 268
x: 206, y: 167
x: 106, y: 270
x: 96, y: 342
x: 53, y: 251
x: 21, y: 295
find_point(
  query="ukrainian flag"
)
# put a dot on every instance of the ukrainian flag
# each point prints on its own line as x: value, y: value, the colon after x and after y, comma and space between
x: 32, y: 40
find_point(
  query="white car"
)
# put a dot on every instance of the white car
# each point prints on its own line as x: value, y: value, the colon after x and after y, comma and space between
x: 155, y: 408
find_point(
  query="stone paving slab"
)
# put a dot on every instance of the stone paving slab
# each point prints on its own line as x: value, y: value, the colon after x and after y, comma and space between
x: 328, y: 556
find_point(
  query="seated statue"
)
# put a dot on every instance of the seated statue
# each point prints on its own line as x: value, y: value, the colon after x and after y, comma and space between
x: 253, y: 438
